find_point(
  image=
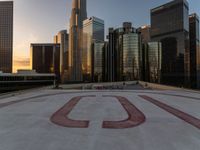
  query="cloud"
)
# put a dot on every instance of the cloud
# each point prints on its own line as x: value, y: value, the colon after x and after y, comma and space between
x: 22, y: 62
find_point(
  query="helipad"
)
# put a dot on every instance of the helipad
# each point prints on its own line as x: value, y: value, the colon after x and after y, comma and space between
x: 100, y: 120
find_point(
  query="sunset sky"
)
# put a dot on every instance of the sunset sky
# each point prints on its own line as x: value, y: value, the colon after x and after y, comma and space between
x: 37, y: 21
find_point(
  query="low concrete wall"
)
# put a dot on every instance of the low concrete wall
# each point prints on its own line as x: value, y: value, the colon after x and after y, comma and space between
x: 92, y: 85
x: 158, y: 86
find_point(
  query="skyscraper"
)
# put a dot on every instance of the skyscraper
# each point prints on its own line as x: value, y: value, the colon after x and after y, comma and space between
x: 62, y: 38
x: 194, y: 51
x: 78, y: 15
x: 93, y: 31
x: 154, y: 61
x: 145, y: 32
x: 124, y: 52
x: 170, y: 26
x: 45, y: 58
x: 97, y: 61
x: 6, y: 36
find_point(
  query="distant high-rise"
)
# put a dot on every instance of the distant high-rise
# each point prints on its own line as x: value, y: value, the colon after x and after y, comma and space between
x: 108, y: 62
x: 6, y: 36
x: 93, y: 30
x: 124, y: 52
x: 45, y: 58
x: 170, y: 26
x: 154, y: 61
x: 78, y: 15
x: 97, y: 61
x: 194, y: 51
x: 151, y: 62
x: 62, y: 38
x: 145, y: 32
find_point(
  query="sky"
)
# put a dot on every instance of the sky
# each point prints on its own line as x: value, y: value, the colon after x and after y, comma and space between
x: 37, y: 21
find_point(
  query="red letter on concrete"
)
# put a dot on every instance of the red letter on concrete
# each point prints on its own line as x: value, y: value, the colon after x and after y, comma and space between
x: 136, y: 117
x: 182, y: 115
x: 61, y: 116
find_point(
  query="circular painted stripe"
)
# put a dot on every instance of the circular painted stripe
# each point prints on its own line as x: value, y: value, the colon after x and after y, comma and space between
x: 135, y: 116
x: 178, y: 113
x: 61, y: 116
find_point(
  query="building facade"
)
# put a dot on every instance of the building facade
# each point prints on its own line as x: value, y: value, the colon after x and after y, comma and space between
x: 97, y: 61
x: 78, y: 15
x: 194, y: 51
x: 145, y: 32
x: 124, y: 46
x: 62, y: 38
x: 108, y: 62
x: 130, y: 57
x: 154, y: 61
x: 93, y: 31
x: 45, y: 58
x: 170, y: 26
x: 6, y: 36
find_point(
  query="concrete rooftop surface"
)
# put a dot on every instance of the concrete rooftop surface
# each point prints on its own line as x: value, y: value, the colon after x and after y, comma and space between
x: 46, y: 119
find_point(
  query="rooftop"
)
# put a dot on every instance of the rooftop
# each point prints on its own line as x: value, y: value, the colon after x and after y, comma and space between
x: 136, y: 119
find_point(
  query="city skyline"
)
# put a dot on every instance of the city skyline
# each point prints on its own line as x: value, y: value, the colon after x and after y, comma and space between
x: 34, y: 29
x: 99, y: 74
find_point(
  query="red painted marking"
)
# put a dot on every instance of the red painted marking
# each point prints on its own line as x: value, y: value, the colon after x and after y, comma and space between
x: 61, y: 116
x: 136, y: 117
x: 178, y: 113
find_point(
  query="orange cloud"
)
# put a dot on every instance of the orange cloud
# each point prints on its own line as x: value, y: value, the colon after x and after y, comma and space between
x: 21, y: 63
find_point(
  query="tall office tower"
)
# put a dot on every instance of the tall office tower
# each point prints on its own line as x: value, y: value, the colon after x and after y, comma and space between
x: 145, y: 33
x: 124, y: 46
x: 154, y: 59
x: 45, y: 58
x: 97, y: 61
x: 110, y: 69
x: 144, y: 66
x: 170, y: 26
x: 78, y: 15
x: 6, y: 36
x: 108, y: 62
x: 194, y: 51
x: 93, y: 30
x: 62, y: 38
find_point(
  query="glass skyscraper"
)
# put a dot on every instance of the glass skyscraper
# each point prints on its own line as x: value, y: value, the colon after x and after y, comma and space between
x: 130, y: 57
x: 154, y: 61
x: 62, y: 38
x: 97, y: 61
x: 151, y: 62
x: 194, y: 51
x: 93, y: 30
x: 78, y: 15
x: 170, y: 26
x: 6, y: 36
x: 124, y: 53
